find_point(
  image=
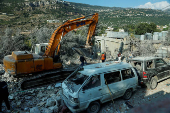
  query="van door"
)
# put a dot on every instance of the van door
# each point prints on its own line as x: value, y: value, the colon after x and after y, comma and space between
x: 129, y: 79
x: 113, y: 80
x: 91, y: 91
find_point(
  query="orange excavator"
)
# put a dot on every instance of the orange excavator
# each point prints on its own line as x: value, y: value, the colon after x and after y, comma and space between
x: 27, y: 63
x: 24, y: 62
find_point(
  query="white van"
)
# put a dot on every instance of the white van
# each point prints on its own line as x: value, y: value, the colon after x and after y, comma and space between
x: 98, y: 83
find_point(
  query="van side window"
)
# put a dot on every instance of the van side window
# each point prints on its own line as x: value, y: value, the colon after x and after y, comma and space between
x: 128, y: 73
x: 112, y: 77
x: 93, y: 82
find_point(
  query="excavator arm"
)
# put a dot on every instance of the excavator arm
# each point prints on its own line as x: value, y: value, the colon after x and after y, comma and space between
x: 69, y: 26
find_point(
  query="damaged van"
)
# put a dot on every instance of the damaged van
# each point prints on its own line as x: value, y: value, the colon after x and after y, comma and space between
x: 98, y: 83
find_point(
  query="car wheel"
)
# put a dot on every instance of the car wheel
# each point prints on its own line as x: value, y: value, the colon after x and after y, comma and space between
x: 94, y: 107
x: 153, y: 83
x: 127, y: 94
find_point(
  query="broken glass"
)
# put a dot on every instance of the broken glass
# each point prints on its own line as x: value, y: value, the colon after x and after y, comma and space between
x: 75, y: 81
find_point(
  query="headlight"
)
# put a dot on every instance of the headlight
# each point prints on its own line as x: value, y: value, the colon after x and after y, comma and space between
x: 73, y: 99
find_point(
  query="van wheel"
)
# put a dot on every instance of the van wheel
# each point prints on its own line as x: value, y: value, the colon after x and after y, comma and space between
x: 153, y: 83
x: 127, y: 94
x: 94, y: 107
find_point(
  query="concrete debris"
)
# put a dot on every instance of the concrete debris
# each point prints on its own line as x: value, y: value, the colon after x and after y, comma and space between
x: 44, y: 99
x: 2, y: 72
x: 47, y: 99
x: 41, y: 104
x: 68, y: 63
x: 45, y: 110
x: 35, y: 110
x: 40, y: 95
x: 58, y: 98
x: 54, y: 108
x: 128, y: 104
x: 11, y: 97
x: 58, y: 85
x: 50, y: 102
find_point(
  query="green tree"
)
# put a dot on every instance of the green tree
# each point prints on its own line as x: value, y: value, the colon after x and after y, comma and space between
x: 100, y: 29
x: 129, y: 28
x: 1, y: 5
x: 26, y: 14
x: 151, y: 28
x: 165, y: 29
x: 143, y: 28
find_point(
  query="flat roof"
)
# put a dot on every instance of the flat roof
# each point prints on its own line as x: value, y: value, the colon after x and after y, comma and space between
x: 104, y: 67
x: 144, y: 58
x: 22, y: 52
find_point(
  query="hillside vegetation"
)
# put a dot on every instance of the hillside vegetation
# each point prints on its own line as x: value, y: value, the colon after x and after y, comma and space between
x: 36, y: 13
x: 24, y: 23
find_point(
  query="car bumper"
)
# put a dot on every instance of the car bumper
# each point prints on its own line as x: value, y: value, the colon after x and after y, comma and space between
x: 72, y: 106
x: 144, y: 81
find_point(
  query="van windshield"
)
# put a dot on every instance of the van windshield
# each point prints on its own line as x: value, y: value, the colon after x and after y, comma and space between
x: 75, y: 81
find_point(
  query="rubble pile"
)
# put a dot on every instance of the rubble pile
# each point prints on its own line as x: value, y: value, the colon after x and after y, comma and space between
x: 47, y: 99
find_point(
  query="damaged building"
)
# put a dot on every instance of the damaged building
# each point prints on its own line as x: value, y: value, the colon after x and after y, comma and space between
x: 114, y: 42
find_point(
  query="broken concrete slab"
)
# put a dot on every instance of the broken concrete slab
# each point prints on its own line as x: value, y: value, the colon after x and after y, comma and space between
x: 50, y: 102
x: 35, y: 110
x: 58, y: 85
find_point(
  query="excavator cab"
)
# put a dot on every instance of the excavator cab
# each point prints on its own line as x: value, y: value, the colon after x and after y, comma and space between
x: 39, y: 49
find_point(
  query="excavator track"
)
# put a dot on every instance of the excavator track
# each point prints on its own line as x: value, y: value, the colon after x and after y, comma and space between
x: 44, y: 78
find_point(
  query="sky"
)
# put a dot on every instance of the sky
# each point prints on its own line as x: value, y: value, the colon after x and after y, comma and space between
x: 153, y: 4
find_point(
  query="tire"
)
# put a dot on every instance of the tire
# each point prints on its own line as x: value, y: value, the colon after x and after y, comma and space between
x: 94, y: 107
x: 128, y: 94
x: 153, y: 83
